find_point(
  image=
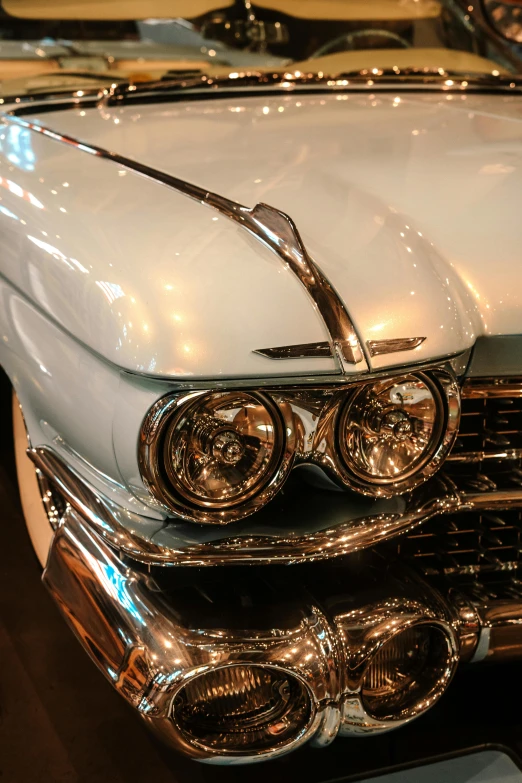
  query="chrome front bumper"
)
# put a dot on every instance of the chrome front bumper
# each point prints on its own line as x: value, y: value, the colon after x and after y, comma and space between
x: 126, y: 531
x: 152, y: 631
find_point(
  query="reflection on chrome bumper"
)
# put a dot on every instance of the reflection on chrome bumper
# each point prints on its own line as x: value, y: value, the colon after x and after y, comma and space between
x: 122, y: 529
x: 311, y: 654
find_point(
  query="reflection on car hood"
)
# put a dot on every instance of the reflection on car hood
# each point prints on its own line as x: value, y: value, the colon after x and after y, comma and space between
x: 409, y: 203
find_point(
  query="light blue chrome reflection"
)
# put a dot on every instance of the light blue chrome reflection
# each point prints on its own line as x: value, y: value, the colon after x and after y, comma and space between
x: 16, y: 144
x: 120, y: 591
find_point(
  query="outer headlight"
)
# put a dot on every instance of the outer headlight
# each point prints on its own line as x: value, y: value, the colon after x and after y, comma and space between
x: 393, y: 433
x: 216, y: 457
x: 506, y: 18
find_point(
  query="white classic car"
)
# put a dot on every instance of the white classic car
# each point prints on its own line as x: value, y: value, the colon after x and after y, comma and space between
x: 264, y: 333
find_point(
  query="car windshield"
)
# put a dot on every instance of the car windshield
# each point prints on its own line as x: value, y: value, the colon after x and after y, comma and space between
x: 62, y: 44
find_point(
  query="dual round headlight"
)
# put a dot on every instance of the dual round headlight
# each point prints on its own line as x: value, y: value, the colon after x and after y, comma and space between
x: 389, y: 432
x: 216, y: 457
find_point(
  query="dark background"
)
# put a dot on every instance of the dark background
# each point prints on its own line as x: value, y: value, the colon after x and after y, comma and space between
x: 61, y: 722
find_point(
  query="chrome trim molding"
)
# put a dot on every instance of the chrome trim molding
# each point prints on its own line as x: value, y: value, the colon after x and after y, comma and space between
x: 151, y: 640
x: 269, y: 225
x: 379, y: 347
x: 475, y: 388
x: 307, y: 350
x: 124, y: 531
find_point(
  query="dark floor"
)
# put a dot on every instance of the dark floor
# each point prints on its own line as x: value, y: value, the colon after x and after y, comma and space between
x: 60, y: 721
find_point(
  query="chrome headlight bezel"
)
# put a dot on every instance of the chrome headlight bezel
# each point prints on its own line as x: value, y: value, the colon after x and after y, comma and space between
x: 156, y: 442
x: 446, y: 392
x: 309, y: 421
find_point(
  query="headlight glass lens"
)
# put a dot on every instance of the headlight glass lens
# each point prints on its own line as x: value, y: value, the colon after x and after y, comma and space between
x: 223, y: 448
x: 506, y: 17
x: 412, y: 667
x: 242, y: 708
x: 389, y: 429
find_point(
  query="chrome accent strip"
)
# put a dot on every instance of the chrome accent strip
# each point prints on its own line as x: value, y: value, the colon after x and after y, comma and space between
x: 378, y: 347
x: 492, y: 387
x: 118, y: 527
x: 122, y: 529
x: 480, y: 456
x: 272, y: 227
x: 306, y: 350
x: 256, y: 83
x: 252, y: 82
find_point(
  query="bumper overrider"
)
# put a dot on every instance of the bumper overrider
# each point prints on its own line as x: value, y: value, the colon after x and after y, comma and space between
x: 247, y: 665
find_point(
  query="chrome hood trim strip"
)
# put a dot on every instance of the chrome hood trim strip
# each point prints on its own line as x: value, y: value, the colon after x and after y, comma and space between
x: 122, y: 529
x: 269, y: 225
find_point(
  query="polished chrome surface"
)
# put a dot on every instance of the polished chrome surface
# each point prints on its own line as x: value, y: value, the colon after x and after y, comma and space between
x: 124, y: 530
x: 166, y: 485
x: 492, y: 387
x: 491, y: 422
x: 296, y: 351
x: 272, y: 227
x: 153, y: 640
x: 379, y: 347
x: 390, y: 431
x: 120, y: 527
x: 251, y: 81
x: 313, y: 419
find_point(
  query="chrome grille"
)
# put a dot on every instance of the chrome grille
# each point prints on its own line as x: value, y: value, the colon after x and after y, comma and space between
x: 466, y: 544
x: 491, y: 421
x: 487, y: 456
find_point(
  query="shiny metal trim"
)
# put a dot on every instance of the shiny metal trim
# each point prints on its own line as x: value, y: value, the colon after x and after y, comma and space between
x: 334, y: 459
x: 312, y: 423
x: 148, y: 651
x: 474, y: 388
x: 379, y: 347
x: 150, y: 640
x: 121, y: 529
x: 480, y: 456
x: 252, y: 82
x: 272, y: 227
x: 152, y: 466
x: 490, y: 388
x: 306, y: 350
x: 255, y: 83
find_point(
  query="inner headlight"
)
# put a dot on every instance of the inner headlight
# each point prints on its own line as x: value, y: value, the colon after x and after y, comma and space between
x: 220, y: 456
x: 408, y: 673
x: 389, y: 432
x: 506, y: 18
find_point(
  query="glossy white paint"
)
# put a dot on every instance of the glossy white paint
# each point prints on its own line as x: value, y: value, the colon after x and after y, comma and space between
x: 392, y: 195
x: 143, y: 275
x: 69, y: 397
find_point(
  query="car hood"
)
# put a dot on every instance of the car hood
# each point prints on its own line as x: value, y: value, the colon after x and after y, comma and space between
x: 407, y: 202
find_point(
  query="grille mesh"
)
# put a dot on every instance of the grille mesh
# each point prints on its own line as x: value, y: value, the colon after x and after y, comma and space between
x: 479, y: 548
